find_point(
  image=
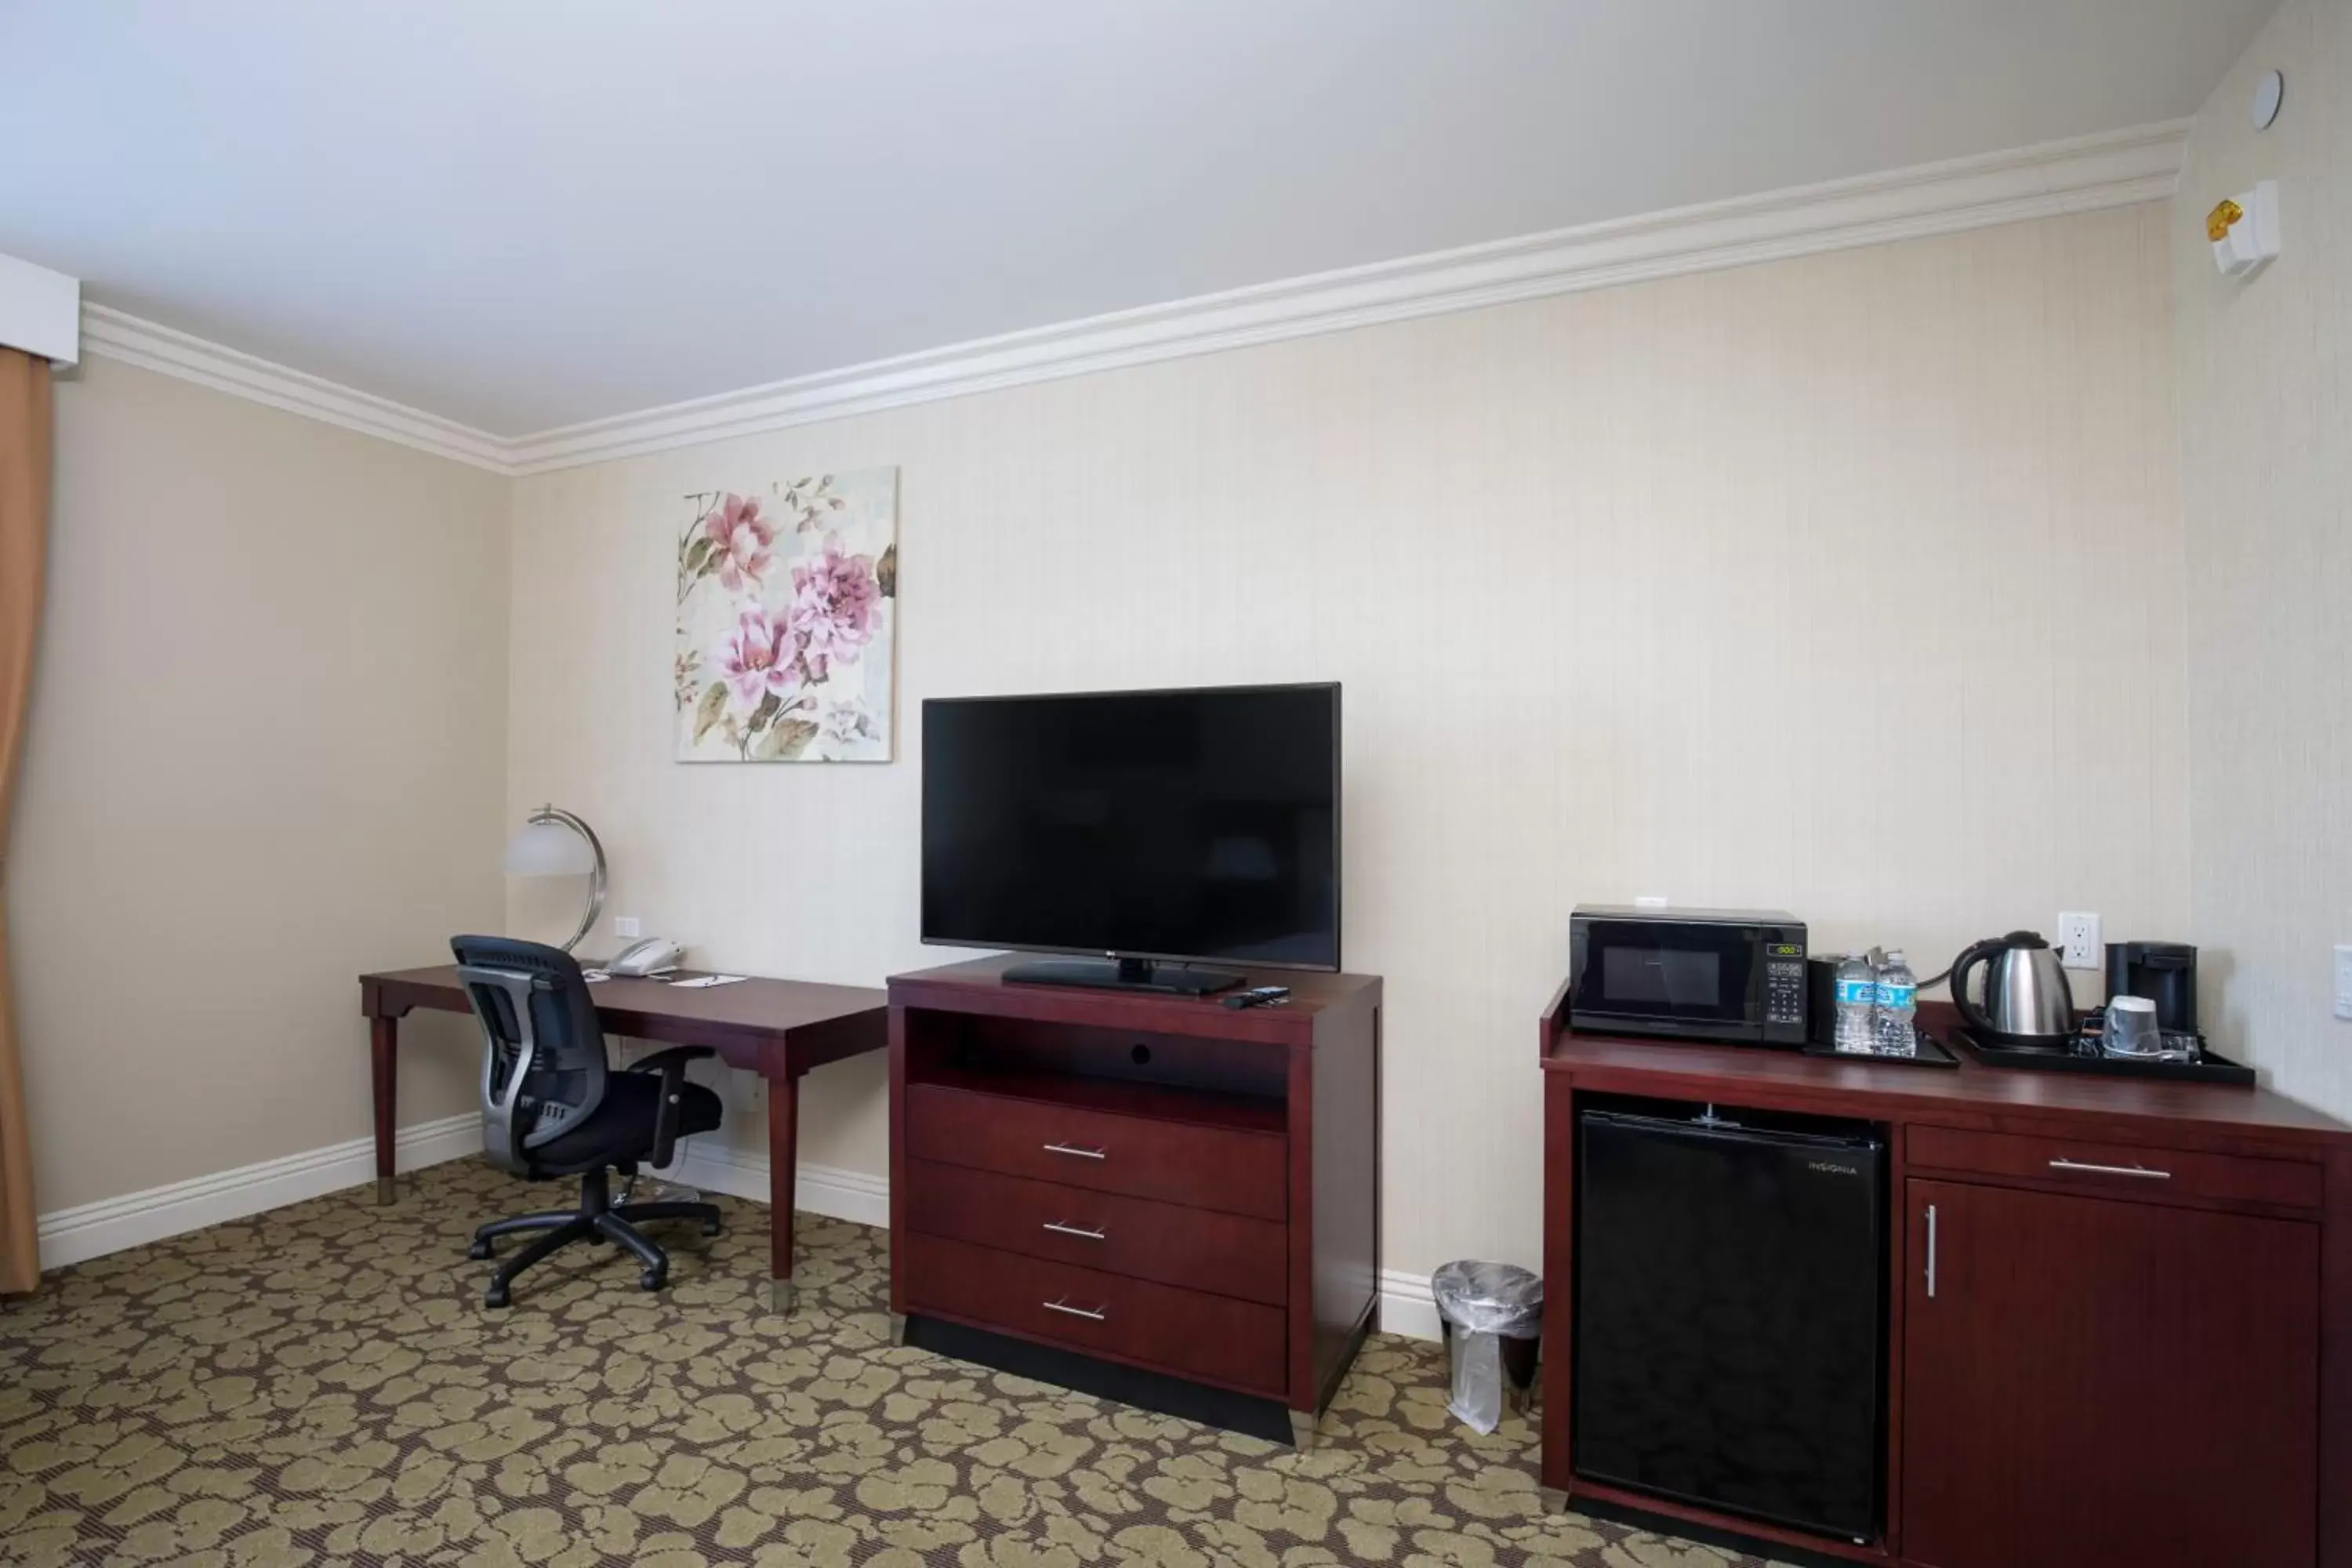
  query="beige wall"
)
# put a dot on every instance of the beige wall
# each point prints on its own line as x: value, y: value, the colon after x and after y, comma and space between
x: 2266, y: 461
x: 1604, y: 576
x: 266, y: 751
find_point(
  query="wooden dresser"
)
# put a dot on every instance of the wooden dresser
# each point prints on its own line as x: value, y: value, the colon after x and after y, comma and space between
x: 1163, y: 1186
x: 2119, y: 1311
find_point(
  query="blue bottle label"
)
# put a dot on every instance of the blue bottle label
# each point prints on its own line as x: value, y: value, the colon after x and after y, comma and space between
x: 1897, y: 997
x: 1856, y: 993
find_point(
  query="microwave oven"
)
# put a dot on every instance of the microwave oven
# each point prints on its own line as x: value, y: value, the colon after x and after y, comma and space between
x: 1733, y: 975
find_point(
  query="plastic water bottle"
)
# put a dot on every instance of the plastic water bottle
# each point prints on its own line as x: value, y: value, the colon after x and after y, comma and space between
x: 1899, y: 1000
x: 1857, y: 1003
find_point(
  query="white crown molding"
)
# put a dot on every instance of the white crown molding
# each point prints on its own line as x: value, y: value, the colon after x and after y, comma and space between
x: 92, y: 1231
x: 2084, y: 173
x: 124, y: 337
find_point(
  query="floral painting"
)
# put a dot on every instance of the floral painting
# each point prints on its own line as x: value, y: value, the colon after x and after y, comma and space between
x: 787, y: 611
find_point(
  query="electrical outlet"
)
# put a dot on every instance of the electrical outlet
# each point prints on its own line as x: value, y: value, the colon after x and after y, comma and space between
x: 2343, y: 981
x: 626, y: 926
x: 1649, y: 901
x: 2078, y: 940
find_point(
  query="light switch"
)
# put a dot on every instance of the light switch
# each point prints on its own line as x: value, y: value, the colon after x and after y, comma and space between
x: 625, y: 927
x: 2344, y: 981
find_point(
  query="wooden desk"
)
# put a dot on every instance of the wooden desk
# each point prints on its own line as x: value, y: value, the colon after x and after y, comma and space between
x: 777, y: 1028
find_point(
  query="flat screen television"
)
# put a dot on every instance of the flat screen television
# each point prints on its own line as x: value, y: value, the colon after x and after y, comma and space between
x: 1159, y: 829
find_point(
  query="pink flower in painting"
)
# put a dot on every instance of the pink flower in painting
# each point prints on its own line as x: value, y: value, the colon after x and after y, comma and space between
x: 759, y: 657
x: 834, y: 600
x: 739, y: 539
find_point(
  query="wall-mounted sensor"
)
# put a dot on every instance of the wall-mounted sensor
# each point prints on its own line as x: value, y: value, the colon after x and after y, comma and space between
x: 2268, y: 94
x: 2245, y: 230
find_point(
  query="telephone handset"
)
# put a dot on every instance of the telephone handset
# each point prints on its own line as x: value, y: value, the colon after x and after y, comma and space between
x: 655, y: 956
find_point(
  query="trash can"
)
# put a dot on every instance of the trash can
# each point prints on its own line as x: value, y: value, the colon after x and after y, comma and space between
x: 1491, y: 1315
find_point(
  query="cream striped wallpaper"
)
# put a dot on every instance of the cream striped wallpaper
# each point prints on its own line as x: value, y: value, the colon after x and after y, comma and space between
x: 2266, y: 470
x: 1851, y: 585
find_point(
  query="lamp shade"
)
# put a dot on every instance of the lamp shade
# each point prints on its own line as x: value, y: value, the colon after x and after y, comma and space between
x: 548, y: 849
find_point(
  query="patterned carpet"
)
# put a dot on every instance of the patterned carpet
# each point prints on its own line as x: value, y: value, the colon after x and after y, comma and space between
x: 322, y: 1385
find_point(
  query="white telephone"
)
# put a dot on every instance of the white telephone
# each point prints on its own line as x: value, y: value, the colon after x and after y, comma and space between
x: 655, y: 956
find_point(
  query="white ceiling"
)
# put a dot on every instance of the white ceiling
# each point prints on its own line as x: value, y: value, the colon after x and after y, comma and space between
x: 526, y: 213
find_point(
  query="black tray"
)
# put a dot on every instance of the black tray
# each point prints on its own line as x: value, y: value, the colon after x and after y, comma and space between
x: 1932, y: 1053
x: 2214, y: 1069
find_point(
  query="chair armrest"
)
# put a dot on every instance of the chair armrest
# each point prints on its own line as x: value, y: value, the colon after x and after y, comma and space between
x: 660, y: 1061
x: 671, y: 1065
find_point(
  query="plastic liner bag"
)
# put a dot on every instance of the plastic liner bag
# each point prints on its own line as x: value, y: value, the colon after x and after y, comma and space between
x: 1483, y: 1304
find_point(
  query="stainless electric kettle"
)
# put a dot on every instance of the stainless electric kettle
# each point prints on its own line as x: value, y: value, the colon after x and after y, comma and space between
x: 2026, y: 1002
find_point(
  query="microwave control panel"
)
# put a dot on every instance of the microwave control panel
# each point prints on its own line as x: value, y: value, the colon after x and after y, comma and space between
x: 1784, y: 984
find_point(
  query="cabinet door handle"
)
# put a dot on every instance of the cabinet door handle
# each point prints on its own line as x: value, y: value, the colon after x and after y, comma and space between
x: 1074, y: 1150
x: 2152, y: 1175
x: 1060, y: 1228
x: 1931, y: 1252
x: 1095, y: 1314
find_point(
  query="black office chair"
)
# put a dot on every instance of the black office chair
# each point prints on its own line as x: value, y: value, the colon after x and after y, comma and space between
x: 551, y: 1106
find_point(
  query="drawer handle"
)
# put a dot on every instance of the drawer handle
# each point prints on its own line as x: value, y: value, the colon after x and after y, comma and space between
x: 2111, y: 1169
x: 1097, y: 1313
x: 1057, y: 1227
x: 1072, y: 1148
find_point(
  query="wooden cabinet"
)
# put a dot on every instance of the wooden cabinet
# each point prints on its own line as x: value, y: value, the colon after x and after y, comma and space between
x: 2099, y: 1380
x: 2135, y: 1350
x: 1183, y: 1193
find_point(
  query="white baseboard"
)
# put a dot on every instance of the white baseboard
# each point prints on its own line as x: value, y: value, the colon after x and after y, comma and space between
x: 1406, y: 1306
x: 828, y: 1190
x: 93, y: 1230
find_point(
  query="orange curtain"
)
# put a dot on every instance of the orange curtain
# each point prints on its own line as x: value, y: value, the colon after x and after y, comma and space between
x: 23, y: 534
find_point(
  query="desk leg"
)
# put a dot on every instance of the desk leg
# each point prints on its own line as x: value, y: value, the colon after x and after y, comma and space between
x: 784, y: 1161
x: 383, y: 1051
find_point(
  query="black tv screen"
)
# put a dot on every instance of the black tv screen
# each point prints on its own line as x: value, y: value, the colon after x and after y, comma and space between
x: 1188, y: 824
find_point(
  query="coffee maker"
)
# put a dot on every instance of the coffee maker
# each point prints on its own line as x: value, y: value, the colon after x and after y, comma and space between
x: 2163, y: 971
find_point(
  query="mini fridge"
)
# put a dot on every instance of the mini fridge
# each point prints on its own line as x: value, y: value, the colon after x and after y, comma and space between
x: 1730, y: 1311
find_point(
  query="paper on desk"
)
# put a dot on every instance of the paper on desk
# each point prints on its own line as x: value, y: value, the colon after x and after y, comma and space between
x: 701, y: 980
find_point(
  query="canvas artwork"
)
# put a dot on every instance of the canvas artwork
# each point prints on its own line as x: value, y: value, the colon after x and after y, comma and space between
x: 787, y: 616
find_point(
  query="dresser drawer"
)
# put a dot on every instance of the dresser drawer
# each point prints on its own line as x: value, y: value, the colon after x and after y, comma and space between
x: 1212, y: 1338
x: 2117, y: 1169
x: 1205, y: 1167
x: 1226, y: 1254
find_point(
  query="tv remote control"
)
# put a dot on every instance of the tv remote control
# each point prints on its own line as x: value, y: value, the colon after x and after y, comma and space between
x: 1260, y: 996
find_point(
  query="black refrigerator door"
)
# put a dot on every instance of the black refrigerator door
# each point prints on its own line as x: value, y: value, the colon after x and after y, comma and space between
x: 1730, y: 1325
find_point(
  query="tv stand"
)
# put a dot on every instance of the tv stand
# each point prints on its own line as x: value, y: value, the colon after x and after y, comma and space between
x: 1123, y: 974
x: 1149, y: 1197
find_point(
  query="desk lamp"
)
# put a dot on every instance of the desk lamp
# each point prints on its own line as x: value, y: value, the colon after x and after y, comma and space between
x: 554, y: 843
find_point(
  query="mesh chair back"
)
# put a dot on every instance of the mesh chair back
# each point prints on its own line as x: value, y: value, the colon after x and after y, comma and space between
x: 542, y: 1049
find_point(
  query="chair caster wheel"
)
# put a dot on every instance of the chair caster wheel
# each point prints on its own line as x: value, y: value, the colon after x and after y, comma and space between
x: 597, y: 1238
x: 711, y: 1228
x: 496, y: 1296
x: 479, y: 1250
x: 654, y: 1279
